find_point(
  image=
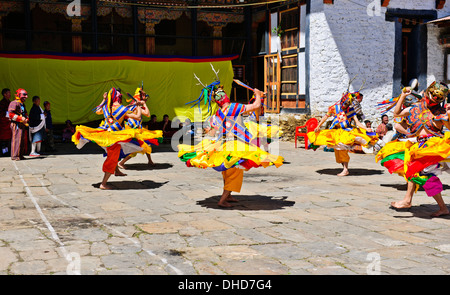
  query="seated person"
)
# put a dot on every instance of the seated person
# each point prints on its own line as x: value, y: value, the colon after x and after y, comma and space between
x: 167, y: 129
x: 153, y: 124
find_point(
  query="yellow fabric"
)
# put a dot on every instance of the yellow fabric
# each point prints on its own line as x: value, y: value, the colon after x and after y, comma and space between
x: 75, y: 87
x: 390, y: 148
x: 213, y: 154
x: 232, y: 179
x: 107, y: 138
x: 333, y: 137
x: 263, y: 130
x: 341, y: 156
x: 436, y: 146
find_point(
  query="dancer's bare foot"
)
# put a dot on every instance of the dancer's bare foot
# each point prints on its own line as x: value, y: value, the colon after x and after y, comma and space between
x: 119, y: 173
x: 150, y: 163
x: 400, y: 205
x: 343, y: 173
x: 440, y: 212
x: 231, y: 199
x: 224, y: 204
x: 105, y: 186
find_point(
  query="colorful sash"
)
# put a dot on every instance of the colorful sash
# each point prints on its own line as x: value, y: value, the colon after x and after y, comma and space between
x: 118, y: 114
x: 228, y: 123
x: 341, y: 117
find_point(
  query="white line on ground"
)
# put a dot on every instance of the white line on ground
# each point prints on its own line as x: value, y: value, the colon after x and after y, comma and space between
x: 55, y: 236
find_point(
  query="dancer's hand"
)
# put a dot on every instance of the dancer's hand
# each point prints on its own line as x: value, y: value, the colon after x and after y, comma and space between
x: 406, y: 90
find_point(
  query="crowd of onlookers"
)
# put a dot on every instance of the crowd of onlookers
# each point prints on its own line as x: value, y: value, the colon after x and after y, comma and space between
x: 40, y: 133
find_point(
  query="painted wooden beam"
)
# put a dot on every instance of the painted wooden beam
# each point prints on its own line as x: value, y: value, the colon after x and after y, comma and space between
x: 328, y: 1
x: 385, y: 3
x: 440, y: 4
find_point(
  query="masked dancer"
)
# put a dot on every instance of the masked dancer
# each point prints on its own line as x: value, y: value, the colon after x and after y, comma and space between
x: 112, y: 136
x: 234, y: 148
x: 345, y: 131
x: 139, y: 95
x: 423, y: 155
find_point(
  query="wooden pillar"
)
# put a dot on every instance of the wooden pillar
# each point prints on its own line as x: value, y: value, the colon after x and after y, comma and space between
x: 1, y: 34
x: 217, y: 43
x: 77, y: 46
x: 150, y: 40
x: 28, y: 35
x: 440, y: 4
x: 94, y: 26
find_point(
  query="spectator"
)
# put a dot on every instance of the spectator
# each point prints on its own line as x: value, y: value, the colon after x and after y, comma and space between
x: 368, y: 123
x: 68, y: 131
x: 153, y: 124
x: 37, y: 126
x: 166, y: 127
x: 5, y: 129
x: 49, y: 139
x: 382, y: 128
x: 188, y: 127
x: 18, y: 115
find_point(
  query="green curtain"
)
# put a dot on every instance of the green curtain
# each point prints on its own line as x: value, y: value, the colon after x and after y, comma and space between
x: 75, y: 86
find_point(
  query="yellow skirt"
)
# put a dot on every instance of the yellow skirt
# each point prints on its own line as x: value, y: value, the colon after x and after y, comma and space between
x: 342, y: 139
x: 132, y: 140
x: 225, y: 154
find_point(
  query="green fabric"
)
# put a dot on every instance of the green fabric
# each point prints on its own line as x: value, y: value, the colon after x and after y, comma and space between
x: 188, y: 156
x: 75, y: 87
x: 399, y: 155
x: 420, y: 180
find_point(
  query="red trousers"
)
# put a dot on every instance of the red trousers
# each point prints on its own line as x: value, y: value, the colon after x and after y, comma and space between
x: 112, y: 158
x: 19, y: 141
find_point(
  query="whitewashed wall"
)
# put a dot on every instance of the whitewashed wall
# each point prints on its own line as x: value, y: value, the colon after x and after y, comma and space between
x: 346, y: 41
x: 435, y: 70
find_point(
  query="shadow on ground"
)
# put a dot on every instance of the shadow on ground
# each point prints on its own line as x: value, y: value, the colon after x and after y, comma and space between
x: 246, y: 202
x: 129, y: 185
x: 353, y: 171
x: 421, y: 211
x: 145, y: 166
x: 403, y: 186
x: 69, y: 148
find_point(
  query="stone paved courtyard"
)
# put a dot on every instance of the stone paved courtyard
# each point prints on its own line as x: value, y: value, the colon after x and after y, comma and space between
x: 298, y: 219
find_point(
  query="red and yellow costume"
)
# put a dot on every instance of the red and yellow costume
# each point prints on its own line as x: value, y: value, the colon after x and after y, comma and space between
x: 342, y: 134
x: 420, y: 158
x: 236, y: 147
x: 112, y: 136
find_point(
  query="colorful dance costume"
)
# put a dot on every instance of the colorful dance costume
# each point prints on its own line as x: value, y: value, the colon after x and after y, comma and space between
x: 137, y: 124
x: 420, y: 158
x: 112, y: 136
x: 342, y: 135
x: 235, y: 148
x: 19, y: 127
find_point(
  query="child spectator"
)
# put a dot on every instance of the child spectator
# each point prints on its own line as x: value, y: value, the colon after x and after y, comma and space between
x: 68, y: 131
x: 49, y: 139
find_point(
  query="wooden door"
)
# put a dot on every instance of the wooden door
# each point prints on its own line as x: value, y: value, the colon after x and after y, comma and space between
x: 272, y: 83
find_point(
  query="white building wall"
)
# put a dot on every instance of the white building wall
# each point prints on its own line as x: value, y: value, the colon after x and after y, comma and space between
x: 347, y: 40
x: 436, y: 56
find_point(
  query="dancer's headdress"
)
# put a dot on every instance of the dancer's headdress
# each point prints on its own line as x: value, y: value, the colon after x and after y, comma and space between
x: 17, y: 93
x: 348, y: 96
x: 438, y: 92
x: 139, y: 94
x: 212, y: 92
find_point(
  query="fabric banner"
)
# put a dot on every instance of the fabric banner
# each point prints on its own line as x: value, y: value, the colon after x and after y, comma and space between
x: 74, y: 84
